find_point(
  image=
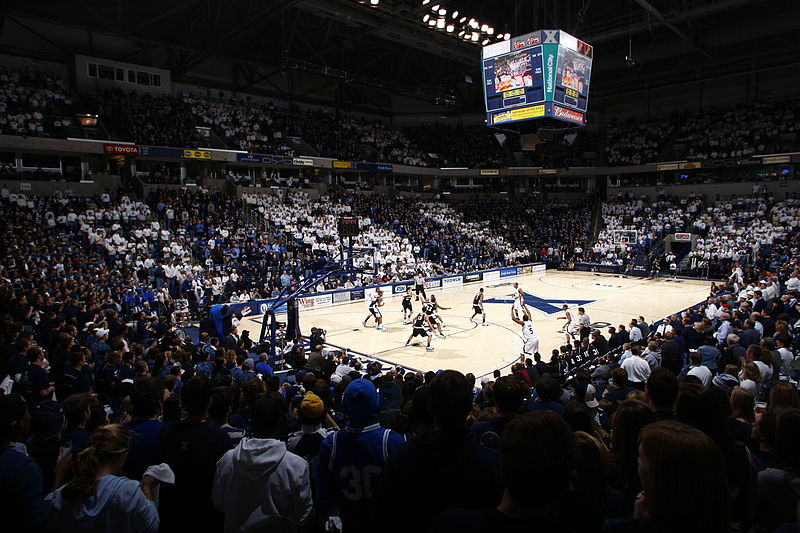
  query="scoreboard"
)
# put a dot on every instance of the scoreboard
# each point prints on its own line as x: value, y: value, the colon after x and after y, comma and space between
x: 541, y: 74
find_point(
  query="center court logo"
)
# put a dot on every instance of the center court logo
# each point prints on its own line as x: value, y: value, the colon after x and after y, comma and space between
x: 549, y: 306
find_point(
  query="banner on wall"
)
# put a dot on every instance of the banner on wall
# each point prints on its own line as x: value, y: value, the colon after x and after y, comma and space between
x: 357, y: 294
x: 339, y: 297
x: 313, y: 302
x: 506, y: 272
x: 453, y: 281
x: 160, y: 151
x: 126, y: 149
x: 492, y: 275
x: 197, y: 154
x: 250, y: 158
x: 433, y: 283
x: 401, y: 288
x: 471, y: 278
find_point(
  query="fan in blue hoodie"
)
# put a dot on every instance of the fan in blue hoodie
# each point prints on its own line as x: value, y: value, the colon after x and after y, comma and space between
x: 96, y: 499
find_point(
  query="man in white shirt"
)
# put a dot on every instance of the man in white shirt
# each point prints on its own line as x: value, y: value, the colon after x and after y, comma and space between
x: 697, y: 369
x: 635, y: 332
x: 637, y: 368
x: 793, y: 283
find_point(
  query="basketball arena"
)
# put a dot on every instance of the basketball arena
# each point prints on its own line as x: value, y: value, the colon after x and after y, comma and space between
x: 347, y: 266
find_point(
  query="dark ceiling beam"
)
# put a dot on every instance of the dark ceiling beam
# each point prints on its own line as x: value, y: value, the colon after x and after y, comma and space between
x: 162, y: 16
x: 581, y: 17
x: 624, y: 30
x: 387, y: 21
x: 97, y: 16
x: 651, y: 10
x: 256, y: 20
x: 385, y: 55
x: 37, y: 34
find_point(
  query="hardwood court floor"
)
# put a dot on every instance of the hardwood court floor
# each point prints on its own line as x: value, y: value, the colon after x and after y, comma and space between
x: 469, y: 347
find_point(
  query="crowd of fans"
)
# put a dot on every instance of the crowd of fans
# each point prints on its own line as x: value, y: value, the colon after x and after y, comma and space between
x: 33, y: 104
x: 559, y: 228
x: 693, y: 419
x: 720, y: 133
x: 632, y: 143
x: 143, y: 118
x: 39, y: 104
x: 730, y: 131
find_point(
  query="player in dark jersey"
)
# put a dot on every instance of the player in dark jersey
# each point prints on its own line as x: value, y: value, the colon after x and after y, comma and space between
x: 408, y: 311
x: 477, y: 307
x: 429, y: 308
x: 423, y: 328
x: 375, y: 302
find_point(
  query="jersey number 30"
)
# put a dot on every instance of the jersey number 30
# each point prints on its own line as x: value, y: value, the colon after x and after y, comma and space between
x: 360, y: 482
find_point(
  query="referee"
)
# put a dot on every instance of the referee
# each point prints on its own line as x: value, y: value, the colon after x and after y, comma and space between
x: 419, y: 283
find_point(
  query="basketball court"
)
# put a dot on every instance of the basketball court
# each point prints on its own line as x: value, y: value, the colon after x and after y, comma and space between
x: 608, y: 300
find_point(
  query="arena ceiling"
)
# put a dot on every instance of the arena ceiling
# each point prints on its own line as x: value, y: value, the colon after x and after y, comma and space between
x: 365, y: 56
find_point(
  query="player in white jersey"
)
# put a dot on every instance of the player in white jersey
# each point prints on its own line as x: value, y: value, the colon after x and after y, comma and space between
x: 569, y: 326
x: 529, y: 336
x: 375, y: 302
x: 519, y: 301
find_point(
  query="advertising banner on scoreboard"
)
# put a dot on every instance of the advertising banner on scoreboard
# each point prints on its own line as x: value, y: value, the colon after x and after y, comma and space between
x: 520, y: 113
x: 683, y: 237
x: 549, y: 60
x: 506, y: 272
x: 342, y: 164
x: 302, y: 162
x: 492, y: 275
x: 569, y: 115
x: 250, y: 158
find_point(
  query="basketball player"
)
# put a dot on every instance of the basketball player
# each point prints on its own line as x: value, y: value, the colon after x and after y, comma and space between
x: 375, y: 302
x: 430, y: 309
x: 407, y: 309
x: 568, y: 325
x: 519, y: 301
x: 477, y: 307
x: 423, y: 328
x: 419, y: 283
x: 531, y: 345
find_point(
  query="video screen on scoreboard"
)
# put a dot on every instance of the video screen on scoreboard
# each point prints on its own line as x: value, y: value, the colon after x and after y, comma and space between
x: 572, y: 79
x: 513, y: 79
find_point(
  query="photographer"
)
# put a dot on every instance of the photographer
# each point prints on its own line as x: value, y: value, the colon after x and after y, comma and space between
x: 317, y: 338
